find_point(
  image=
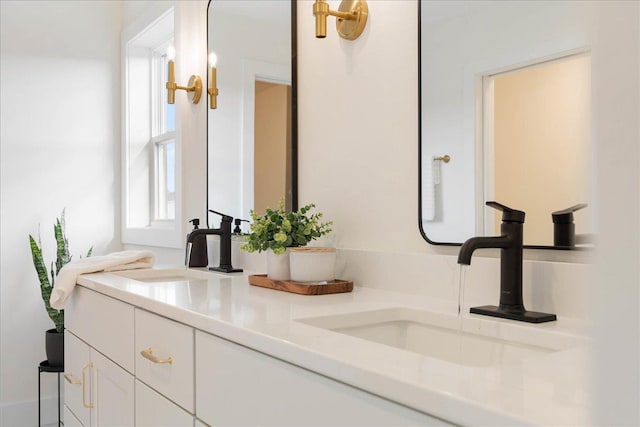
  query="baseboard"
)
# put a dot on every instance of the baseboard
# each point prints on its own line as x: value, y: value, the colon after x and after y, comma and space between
x: 25, y: 414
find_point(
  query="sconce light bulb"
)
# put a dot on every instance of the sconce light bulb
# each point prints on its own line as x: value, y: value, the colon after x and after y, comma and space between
x: 171, y: 53
x: 213, y: 59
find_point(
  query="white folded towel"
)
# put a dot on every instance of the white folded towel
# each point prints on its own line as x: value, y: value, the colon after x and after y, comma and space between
x: 68, y: 275
x: 430, y: 183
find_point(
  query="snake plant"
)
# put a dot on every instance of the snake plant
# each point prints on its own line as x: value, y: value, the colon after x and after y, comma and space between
x: 62, y: 258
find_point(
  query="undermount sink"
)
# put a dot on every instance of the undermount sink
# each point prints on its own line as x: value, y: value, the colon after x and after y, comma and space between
x: 166, y: 275
x: 431, y: 334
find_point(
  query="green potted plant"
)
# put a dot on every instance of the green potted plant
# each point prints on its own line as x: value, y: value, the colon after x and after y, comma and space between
x: 277, y: 230
x: 54, y: 338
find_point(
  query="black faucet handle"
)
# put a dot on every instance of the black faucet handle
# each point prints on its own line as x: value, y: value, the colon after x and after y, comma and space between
x: 225, y: 218
x: 565, y: 216
x: 508, y: 214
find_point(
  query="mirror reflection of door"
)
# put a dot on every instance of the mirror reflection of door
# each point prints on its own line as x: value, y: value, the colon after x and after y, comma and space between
x: 272, y: 145
x: 537, y: 141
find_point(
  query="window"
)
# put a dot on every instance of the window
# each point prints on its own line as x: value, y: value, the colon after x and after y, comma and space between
x: 151, y: 211
x: 163, y: 140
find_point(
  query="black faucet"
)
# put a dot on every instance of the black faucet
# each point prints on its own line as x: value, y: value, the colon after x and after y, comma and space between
x: 199, y: 234
x: 510, y: 243
x: 564, y: 229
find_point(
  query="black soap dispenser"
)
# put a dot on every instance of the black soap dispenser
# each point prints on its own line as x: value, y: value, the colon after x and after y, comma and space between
x: 237, y: 222
x: 564, y: 229
x: 198, y: 256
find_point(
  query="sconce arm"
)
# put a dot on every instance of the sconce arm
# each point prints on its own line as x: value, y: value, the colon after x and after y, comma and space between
x: 194, y: 86
x: 351, y: 16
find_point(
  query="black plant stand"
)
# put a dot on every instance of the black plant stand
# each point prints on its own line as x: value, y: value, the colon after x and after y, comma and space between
x: 44, y: 367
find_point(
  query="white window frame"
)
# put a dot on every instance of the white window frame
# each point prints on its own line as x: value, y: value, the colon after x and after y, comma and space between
x: 165, y: 232
x: 160, y: 138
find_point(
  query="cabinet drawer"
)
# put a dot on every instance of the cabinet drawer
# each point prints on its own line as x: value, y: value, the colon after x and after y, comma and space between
x: 106, y: 324
x: 154, y: 410
x: 164, y: 357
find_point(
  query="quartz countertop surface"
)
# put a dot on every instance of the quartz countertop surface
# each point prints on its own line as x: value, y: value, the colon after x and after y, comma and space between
x: 552, y: 389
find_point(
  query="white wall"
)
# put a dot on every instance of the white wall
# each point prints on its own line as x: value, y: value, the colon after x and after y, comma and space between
x: 59, y: 86
x: 616, y: 287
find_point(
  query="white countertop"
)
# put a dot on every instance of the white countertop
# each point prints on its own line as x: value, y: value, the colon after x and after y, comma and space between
x: 552, y: 389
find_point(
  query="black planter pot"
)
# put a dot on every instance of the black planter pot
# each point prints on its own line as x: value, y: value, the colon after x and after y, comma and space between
x: 54, y: 343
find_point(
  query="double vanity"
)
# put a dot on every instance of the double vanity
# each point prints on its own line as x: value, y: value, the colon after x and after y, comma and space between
x: 178, y: 347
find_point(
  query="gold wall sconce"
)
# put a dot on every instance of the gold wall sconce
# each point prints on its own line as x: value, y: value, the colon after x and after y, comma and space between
x: 213, y: 82
x: 351, y: 18
x: 194, y: 88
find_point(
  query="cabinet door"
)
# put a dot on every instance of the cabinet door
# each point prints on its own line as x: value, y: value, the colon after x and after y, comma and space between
x: 154, y: 410
x: 239, y: 386
x: 70, y: 420
x: 76, y: 360
x: 112, y: 393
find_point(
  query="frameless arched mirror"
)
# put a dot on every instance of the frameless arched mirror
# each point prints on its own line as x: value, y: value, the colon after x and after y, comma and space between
x: 251, y: 135
x: 505, y: 115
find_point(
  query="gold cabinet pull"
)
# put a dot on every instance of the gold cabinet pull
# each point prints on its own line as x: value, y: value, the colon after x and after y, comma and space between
x: 84, y: 382
x: 148, y: 354
x: 69, y: 378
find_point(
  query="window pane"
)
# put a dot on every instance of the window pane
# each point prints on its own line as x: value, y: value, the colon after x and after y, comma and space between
x: 171, y: 167
x: 166, y: 180
x: 170, y: 117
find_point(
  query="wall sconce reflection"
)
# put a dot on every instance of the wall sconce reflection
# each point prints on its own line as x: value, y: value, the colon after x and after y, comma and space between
x: 213, y: 81
x: 351, y: 18
x: 194, y: 88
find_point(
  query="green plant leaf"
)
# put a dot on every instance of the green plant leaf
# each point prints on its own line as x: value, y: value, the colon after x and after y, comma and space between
x: 57, y: 316
x: 62, y: 244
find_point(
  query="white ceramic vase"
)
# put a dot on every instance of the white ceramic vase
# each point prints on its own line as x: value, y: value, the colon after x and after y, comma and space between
x: 312, y: 264
x: 278, y: 266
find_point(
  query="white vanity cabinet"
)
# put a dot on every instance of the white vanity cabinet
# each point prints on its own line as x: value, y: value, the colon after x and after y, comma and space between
x: 127, y: 366
x: 239, y: 386
x: 101, y: 358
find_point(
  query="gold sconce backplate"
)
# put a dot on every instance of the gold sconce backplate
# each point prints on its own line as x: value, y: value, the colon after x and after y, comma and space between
x: 195, y: 82
x: 351, y: 29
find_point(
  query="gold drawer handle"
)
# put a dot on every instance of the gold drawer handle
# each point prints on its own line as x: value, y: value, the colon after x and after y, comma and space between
x: 148, y: 354
x: 84, y: 382
x: 69, y: 378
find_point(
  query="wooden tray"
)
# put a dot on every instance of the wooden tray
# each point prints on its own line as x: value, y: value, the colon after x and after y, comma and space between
x: 332, y: 287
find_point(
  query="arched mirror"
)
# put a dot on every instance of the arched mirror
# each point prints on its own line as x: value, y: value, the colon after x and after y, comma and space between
x: 252, y: 134
x: 505, y: 115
